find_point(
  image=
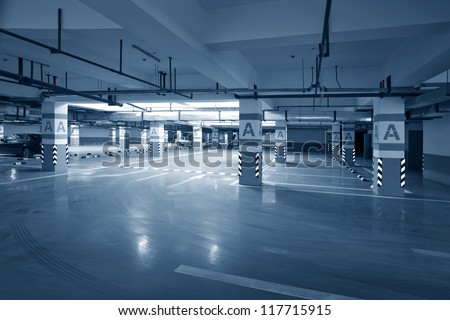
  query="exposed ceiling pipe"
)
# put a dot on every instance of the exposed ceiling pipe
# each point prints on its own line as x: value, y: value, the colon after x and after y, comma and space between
x: 148, y: 54
x: 430, y: 97
x: 337, y: 80
x: 120, y: 54
x: 136, y: 106
x: 324, y: 47
x: 22, y: 80
x: 320, y: 108
x: 54, y: 50
x: 327, y: 95
x: 448, y: 90
x: 406, y: 91
x: 59, y: 28
x: 175, y: 82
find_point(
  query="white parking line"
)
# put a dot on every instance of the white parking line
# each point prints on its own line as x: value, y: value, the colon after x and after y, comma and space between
x: 260, y: 284
x: 312, y: 186
x: 309, y: 175
x: 151, y: 177
x: 234, y: 182
x: 188, y: 180
x: 36, y: 178
x: 275, y: 250
x: 369, y: 171
x: 367, y: 195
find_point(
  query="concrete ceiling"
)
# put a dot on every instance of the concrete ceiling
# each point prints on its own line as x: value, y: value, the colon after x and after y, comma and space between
x: 236, y: 43
x: 220, y: 4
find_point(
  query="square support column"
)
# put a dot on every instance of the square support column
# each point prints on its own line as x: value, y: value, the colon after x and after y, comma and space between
x: 2, y: 131
x: 113, y: 135
x: 348, y: 144
x: 250, y: 138
x: 124, y: 140
x: 54, y: 148
x: 336, y: 140
x: 197, y: 138
x: 144, y: 138
x: 74, y: 135
x: 280, y: 142
x: 124, y: 145
x: 215, y: 137
x: 389, y: 146
x: 156, y: 144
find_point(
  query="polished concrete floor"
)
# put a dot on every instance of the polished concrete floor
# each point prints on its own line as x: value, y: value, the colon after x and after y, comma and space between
x: 174, y: 232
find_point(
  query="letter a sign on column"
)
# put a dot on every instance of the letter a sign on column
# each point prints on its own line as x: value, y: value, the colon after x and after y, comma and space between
x: 391, y: 132
x: 61, y: 127
x: 248, y: 130
x: 48, y: 127
x: 348, y: 137
x: 279, y: 135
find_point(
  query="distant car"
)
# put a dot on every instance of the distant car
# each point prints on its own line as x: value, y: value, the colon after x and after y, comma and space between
x: 21, y: 145
x: 183, y: 143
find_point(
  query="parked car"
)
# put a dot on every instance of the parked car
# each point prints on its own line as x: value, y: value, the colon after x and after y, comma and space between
x: 21, y: 145
x: 183, y: 143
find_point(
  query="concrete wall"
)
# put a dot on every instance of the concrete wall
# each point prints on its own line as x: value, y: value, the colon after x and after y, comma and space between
x: 408, y: 127
x: 89, y: 136
x: 413, y: 149
x: 436, y: 149
x: 306, y: 138
x: 11, y: 128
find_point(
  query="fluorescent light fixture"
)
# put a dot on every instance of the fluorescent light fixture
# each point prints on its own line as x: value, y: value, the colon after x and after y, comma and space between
x: 313, y: 118
x: 268, y: 123
x: 214, y: 104
x: 229, y: 115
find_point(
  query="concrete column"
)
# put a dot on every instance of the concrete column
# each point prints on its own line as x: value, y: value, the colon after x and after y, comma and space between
x: 215, y: 137
x: 280, y: 142
x: 336, y: 139
x: 156, y: 140
x: 250, y: 138
x: 124, y: 140
x: 197, y: 138
x: 348, y: 143
x: 368, y: 144
x: 144, y: 137
x: 389, y: 146
x: 74, y: 135
x: 113, y: 135
x: 2, y: 131
x: 55, y: 149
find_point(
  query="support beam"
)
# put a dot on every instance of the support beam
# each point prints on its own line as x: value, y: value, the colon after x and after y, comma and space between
x: 55, y: 149
x: 73, y: 56
x: 336, y: 140
x: 155, y: 148
x: 430, y: 98
x: 280, y: 143
x: 389, y: 147
x: 250, y: 147
x: 348, y: 143
x: 59, y: 28
x: 21, y: 80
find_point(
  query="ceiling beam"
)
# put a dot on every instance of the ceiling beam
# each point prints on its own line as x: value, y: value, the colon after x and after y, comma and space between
x: 22, y: 80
